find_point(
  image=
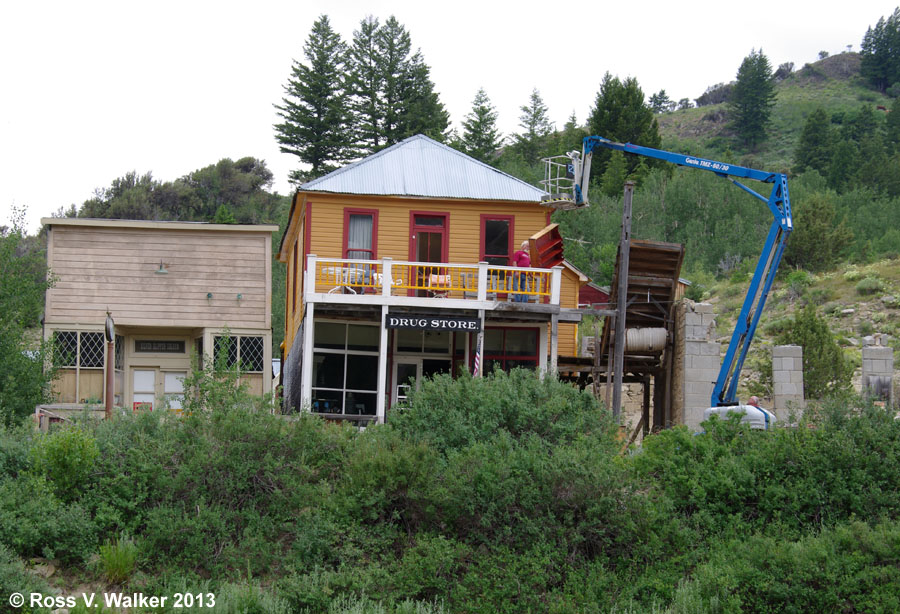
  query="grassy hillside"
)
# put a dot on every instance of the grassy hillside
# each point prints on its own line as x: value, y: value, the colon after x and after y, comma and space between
x: 834, y: 84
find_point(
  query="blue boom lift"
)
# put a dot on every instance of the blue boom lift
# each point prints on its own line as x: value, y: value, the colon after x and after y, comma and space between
x: 567, y: 183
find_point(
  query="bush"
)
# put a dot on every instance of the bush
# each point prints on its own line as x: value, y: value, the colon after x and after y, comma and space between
x: 14, y: 578
x: 825, y: 370
x: 851, y: 568
x: 869, y: 285
x: 450, y: 414
x: 66, y: 458
x: 34, y: 522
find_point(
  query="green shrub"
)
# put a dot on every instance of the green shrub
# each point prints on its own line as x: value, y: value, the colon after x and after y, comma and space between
x: 66, y: 458
x: 450, y: 414
x: 853, y: 273
x: 34, y: 522
x: 851, y: 568
x: 15, y: 578
x: 825, y: 369
x: 797, y: 282
x: 15, y: 447
x: 869, y: 285
x: 234, y: 598
x: 118, y: 558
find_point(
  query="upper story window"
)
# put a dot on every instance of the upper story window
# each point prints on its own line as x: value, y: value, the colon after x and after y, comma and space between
x: 360, y: 234
x: 496, y: 239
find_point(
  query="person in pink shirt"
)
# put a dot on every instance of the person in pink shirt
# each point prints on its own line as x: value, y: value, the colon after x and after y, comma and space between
x: 521, y: 259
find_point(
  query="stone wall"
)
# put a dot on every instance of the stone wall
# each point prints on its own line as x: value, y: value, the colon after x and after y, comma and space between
x: 877, y: 369
x: 787, y: 381
x: 696, y: 362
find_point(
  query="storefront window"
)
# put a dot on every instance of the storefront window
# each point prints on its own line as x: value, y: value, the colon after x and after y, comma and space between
x: 509, y: 348
x: 345, y: 368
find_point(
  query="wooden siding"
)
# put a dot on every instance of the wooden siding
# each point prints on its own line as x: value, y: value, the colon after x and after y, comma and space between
x: 568, y: 298
x: 464, y: 226
x: 393, y: 238
x: 100, y: 268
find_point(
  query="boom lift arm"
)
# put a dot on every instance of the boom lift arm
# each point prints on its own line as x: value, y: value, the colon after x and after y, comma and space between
x: 578, y: 172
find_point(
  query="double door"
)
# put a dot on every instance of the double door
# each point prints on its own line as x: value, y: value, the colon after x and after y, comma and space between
x: 409, y: 371
x: 154, y: 389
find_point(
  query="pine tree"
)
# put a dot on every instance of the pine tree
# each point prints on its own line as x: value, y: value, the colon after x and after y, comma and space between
x: 536, y: 127
x: 753, y: 98
x: 365, y: 84
x: 825, y: 370
x: 843, y: 165
x: 393, y: 96
x: 392, y: 43
x: 880, y: 52
x: 314, y: 110
x: 819, y: 240
x: 481, y: 139
x: 892, y: 127
x: 661, y: 103
x: 620, y: 114
x: 816, y: 145
x: 421, y: 110
x: 614, y: 176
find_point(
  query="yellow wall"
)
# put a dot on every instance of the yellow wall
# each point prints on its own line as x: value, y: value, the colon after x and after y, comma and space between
x: 393, y: 239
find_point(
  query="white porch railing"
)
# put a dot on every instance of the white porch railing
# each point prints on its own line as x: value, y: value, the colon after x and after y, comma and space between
x: 370, y: 279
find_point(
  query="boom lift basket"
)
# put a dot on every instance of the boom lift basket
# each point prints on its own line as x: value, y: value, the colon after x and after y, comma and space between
x: 559, y: 182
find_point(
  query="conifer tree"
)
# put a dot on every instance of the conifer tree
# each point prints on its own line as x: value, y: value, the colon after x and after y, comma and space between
x: 816, y: 145
x: 620, y: 114
x: 392, y: 95
x: 536, y: 127
x: 392, y: 43
x: 314, y: 109
x: 880, y: 52
x: 753, y: 98
x: 481, y: 138
x: 660, y: 102
x: 421, y: 110
x: 892, y: 127
x: 365, y: 83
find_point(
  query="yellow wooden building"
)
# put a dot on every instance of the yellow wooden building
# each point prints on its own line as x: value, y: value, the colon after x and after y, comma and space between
x: 399, y: 267
x: 173, y: 289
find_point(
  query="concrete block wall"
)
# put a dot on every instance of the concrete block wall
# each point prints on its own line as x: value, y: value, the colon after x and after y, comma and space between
x: 787, y: 380
x: 697, y: 362
x: 877, y: 369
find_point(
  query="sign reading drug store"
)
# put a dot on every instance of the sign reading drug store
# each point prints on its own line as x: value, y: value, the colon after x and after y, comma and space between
x: 431, y: 322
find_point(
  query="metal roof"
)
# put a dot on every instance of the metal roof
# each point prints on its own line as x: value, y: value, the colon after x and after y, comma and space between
x: 420, y: 166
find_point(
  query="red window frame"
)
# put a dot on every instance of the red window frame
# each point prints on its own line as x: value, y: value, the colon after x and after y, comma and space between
x: 503, y: 357
x: 485, y: 217
x: 348, y: 211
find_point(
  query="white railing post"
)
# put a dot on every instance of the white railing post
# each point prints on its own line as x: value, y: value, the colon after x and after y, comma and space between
x: 482, y: 280
x: 387, y: 277
x: 555, y: 284
x: 309, y: 280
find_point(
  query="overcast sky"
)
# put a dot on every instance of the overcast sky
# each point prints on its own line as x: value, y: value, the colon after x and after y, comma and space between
x: 92, y: 90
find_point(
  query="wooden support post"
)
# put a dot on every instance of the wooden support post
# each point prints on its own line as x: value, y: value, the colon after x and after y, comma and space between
x: 609, y: 372
x: 380, y: 412
x: 624, y: 255
x: 479, y: 343
x: 645, y: 409
x: 110, y: 385
x: 554, y: 344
